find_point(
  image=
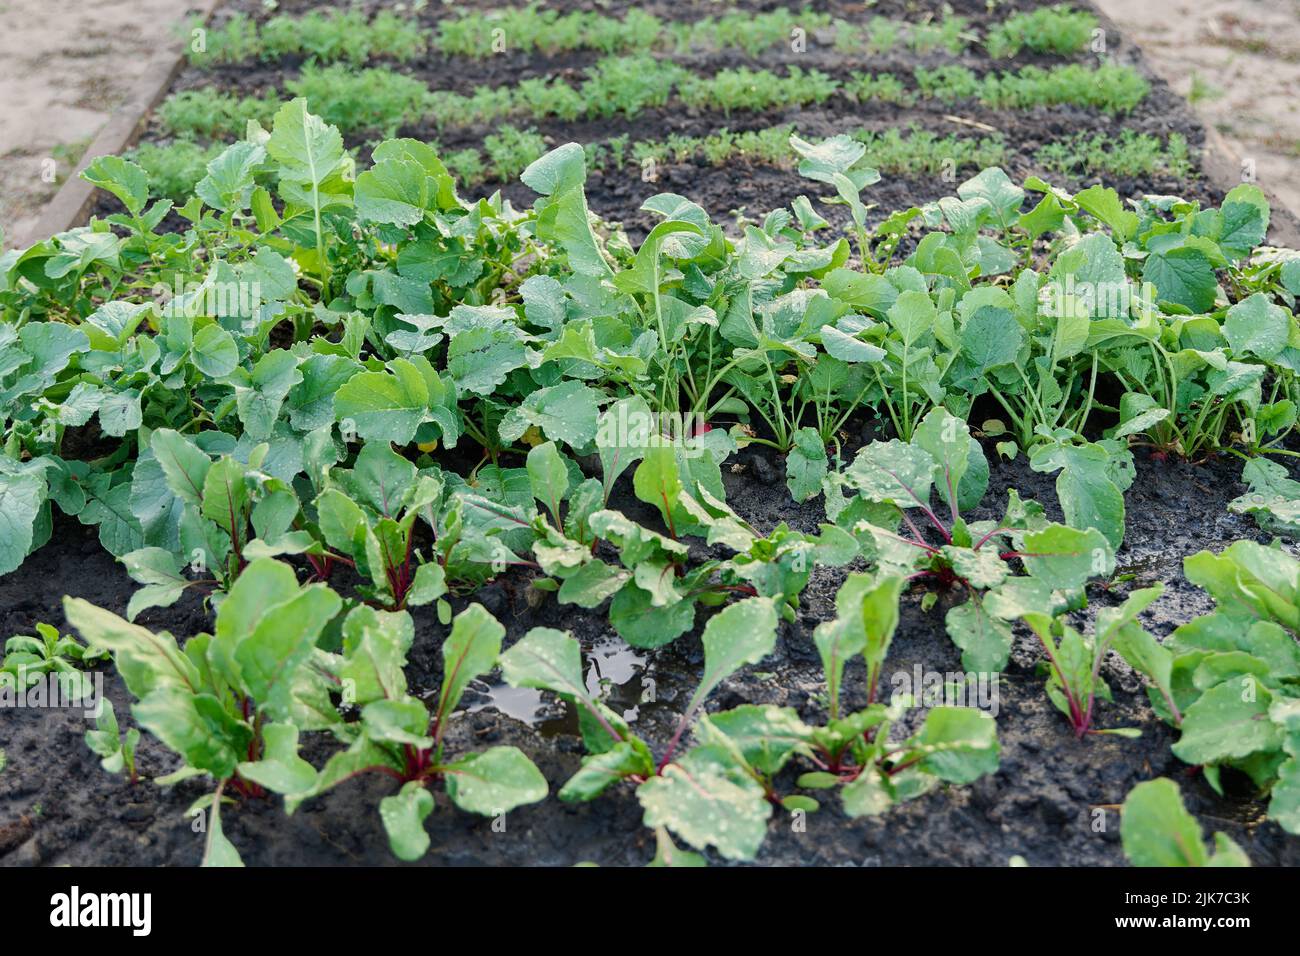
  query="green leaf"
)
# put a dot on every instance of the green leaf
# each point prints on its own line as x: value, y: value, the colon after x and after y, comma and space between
x: 280, y: 643
x: 494, y: 781
x: 228, y: 185
x: 146, y: 661
x: 309, y: 152
x: 657, y: 480
x: 822, y: 161
x: 280, y: 769
x: 113, y: 323
x: 546, y: 659
x: 121, y: 177
x: 384, y: 406
x: 766, y: 736
x: 225, y: 496
x: 591, y: 584
x: 214, y: 352
x: 960, y: 744
x: 264, y: 584
x: 565, y: 412
x: 429, y: 584
x: 1182, y: 276
x: 1245, y: 213
x: 183, y: 464
x: 1157, y: 830
x: 642, y: 625
x: 705, y: 805
x: 375, y: 645
x: 913, y: 315
x: 159, y: 571
x: 996, y: 188
x: 743, y: 633
x: 197, y: 727
x: 404, y: 815
x: 470, y: 651
x: 846, y: 348
x: 893, y: 472
x: 667, y: 854
x: 1105, y: 204
x: 1257, y: 326
x: 1229, y: 721
x: 806, y: 465
x: 1065, y: 558
x: 549, y: 476
x: 985, y: 641
x: 562, y: 216
x: 311, y: 402
x: 260, y: 394
x: 393, y: 191
x: 600, y: 771
x: 217, y: 850
x: 400, y: 720
x: 22, y: 494
x: 868, y: 794
x: 947, y: 439
x: 622, y: 437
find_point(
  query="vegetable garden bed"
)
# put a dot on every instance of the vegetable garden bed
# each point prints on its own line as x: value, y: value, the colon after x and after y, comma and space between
x: 254, y: 465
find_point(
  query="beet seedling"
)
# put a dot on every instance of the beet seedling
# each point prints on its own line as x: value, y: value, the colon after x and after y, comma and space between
x: 1157, y: 830
x: 1229, y: 680
x: 400, y: 737
x: 854, y: 752
x: 116, y: 749
x: 712, y: 795
x: 28, y: 657
x: 367, y: 514
x: 1075, y: 660
x: 893, y: 482
x: 231, y: 704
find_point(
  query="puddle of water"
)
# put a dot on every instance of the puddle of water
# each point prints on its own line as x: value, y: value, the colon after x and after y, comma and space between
x: 522, y: 703
x: 615, y: 673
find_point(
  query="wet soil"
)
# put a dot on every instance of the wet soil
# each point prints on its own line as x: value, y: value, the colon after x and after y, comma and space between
x: 1052, y: 800
x: 1044, y: 803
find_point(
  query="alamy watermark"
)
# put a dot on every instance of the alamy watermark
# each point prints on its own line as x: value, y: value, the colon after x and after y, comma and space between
x: 210, y: 297
x: 630, y: 428
x: 1069, y: 296
x: 24, y: 689
x: 976, y: 689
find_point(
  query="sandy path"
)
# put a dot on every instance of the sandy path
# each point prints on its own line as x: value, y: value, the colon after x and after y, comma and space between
x: 1239, y: 63
x: 66, y: 66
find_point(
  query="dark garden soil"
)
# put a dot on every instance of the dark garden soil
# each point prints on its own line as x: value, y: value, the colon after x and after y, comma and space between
x: 57, y: 806
x: 1054, y: 798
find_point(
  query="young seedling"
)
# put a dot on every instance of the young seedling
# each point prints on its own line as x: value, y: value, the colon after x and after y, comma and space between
x: 29, y: 657
x: 1074, y: 661
x: 894, y: 480
x: 1228, y: 679
x: 230, y: 704
x: 711, y: 796
x: 399, y: 736
x: 116, y: 750
x: 367, y: 514
x: 854, y: 752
